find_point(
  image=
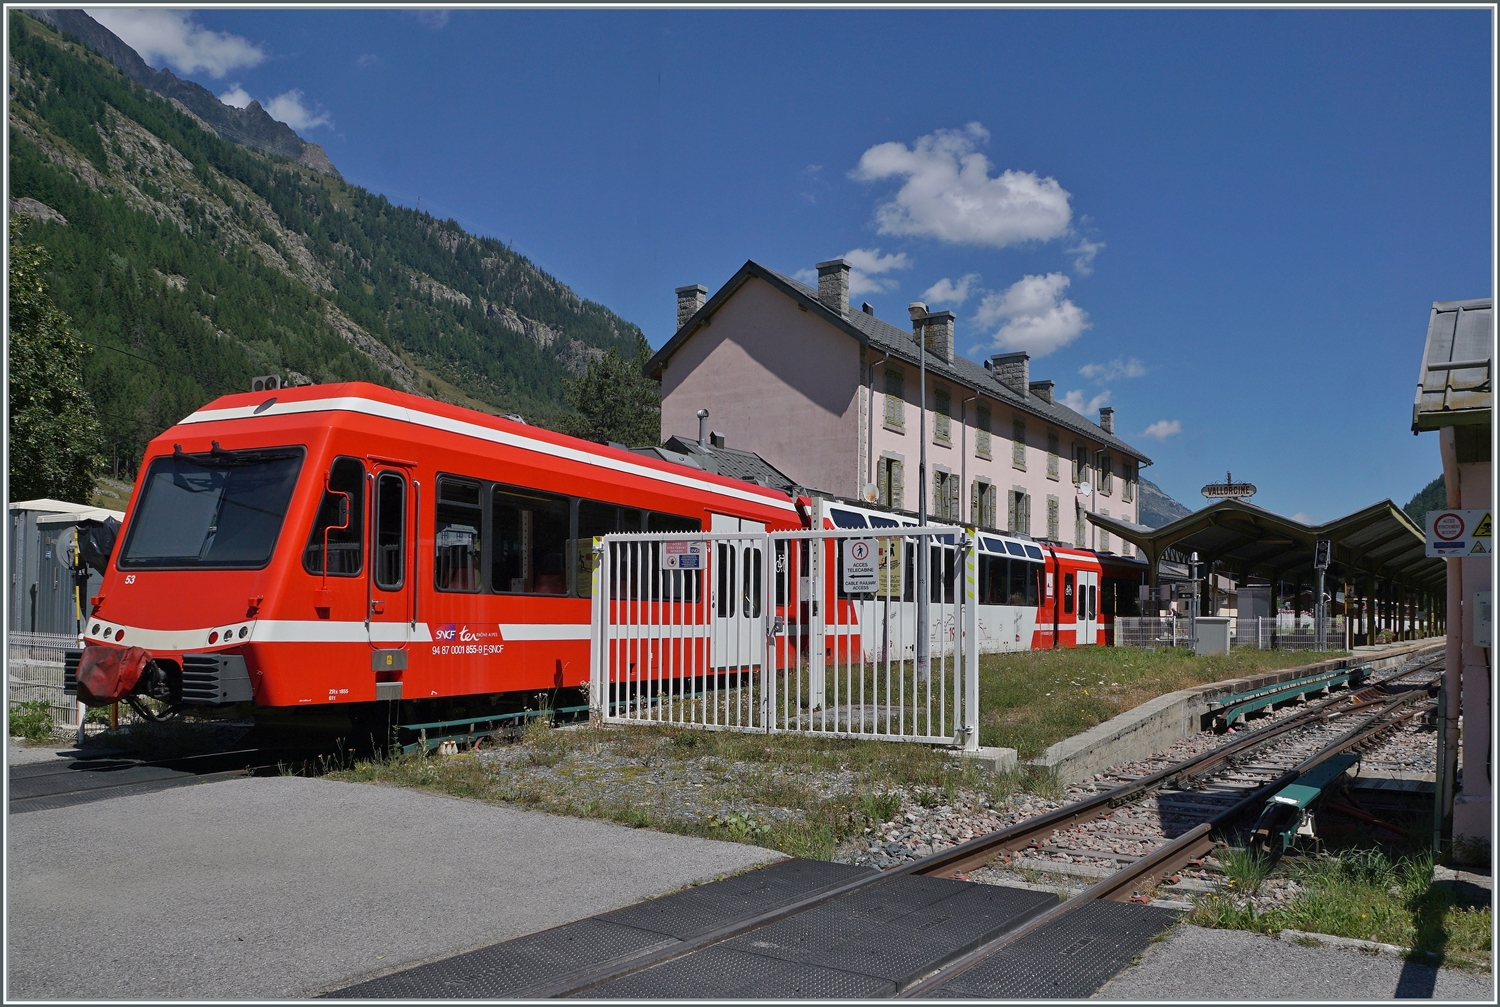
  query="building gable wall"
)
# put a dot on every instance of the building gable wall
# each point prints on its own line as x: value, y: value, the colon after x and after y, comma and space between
x: 776, y: 380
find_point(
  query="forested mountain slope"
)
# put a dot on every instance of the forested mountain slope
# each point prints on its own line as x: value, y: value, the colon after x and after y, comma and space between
x: 194, y: 263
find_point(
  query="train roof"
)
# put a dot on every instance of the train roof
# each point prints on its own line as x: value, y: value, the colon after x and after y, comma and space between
x: 359, y: 398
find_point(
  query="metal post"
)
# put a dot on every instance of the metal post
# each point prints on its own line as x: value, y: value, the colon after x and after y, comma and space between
x: 1320, y: 631
x: 918, y: 312
x: 1193, y: 615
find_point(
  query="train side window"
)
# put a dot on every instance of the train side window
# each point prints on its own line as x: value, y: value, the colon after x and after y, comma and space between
x: 1067, y: 594
x: 728, y: 553
x: 752, y: 600
x: 594, y: 519
x: 1033, y: 584
x: 346, y: 545
x: 657, y: 521
x: 683, y: 586
x: 530, y: 542
x: 390, y: 531
x: 456, y: 540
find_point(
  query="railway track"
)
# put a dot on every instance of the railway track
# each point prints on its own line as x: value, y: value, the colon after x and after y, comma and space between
x: 931, y: 930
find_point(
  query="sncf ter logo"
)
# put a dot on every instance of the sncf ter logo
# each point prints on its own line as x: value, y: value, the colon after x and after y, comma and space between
x: 457, y: 638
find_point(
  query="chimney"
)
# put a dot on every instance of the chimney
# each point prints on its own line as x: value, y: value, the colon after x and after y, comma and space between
x: 1013, y: 370
x: 689, y: 300
x: 939, y: 335
x: 1043, y: 389
x: 717, y: 439
x: 867, y: 308
x: 833, y: 284
x: 1107, y: 419
x: 703, y: 427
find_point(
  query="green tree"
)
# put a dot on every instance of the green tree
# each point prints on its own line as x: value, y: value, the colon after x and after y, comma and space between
x: 54, y: 435
x: 1433, y: 496
x: 615, y: 401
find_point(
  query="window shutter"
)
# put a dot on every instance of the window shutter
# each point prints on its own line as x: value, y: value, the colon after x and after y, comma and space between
x: 882, y: 493
x: 898, y: 485
x: 974, y: 514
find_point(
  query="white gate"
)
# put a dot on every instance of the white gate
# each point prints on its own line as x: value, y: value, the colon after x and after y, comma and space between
x: 816, y: 632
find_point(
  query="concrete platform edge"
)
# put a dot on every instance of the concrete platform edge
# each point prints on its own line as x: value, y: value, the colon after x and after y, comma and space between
x: 1161, y: 722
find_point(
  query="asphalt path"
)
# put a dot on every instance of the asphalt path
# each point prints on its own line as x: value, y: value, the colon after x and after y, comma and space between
x: 1229, y: 966
x: 282, y: 887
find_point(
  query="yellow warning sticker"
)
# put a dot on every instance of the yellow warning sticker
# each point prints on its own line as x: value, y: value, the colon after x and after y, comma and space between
x: 1484, y: 530
x: 1480, y: 548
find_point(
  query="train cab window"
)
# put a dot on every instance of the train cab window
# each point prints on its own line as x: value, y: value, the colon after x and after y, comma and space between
x: 1067, y: 594
x: 456, y: 540
x: 341, y: 518
x: 213, y: 510
x: 994, y: 579
x: 530, y: 542
x: 390, y: 531
x: 596, y: 519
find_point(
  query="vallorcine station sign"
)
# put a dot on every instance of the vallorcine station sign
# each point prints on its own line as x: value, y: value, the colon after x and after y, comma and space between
x: 1459, y: 533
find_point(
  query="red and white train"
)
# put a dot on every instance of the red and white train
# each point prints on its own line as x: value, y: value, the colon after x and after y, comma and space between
x: 326, y: 548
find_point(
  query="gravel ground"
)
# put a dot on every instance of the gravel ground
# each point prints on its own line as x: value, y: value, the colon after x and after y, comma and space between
x: 279, y: 887
x: 1238, y: 965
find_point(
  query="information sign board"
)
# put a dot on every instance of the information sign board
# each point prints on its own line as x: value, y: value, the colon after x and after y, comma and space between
x: 683, y: 555
x: 861, y: 565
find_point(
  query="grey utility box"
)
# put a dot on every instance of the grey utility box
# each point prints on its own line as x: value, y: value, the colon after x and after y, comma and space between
x: 1213, y: 634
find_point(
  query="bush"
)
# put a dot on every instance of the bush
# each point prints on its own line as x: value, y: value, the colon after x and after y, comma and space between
x: 31, y: 720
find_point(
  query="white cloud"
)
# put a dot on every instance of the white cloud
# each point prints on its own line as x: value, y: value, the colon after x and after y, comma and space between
x: 236, y: 96
x: 1075, y: 401
x: 433, y: 19
x: 865, y: 264
x: 1083, y: 255
x: 173, y: 38
x: 1033, y: 315
x: 1113, y: 370
x: 948, y: 192
x: 807, y: 276
x: 1302, y: 518
x: 1162, y: 429
x: 368, y: 59
x: 292, y: 108
x: 945, y: 291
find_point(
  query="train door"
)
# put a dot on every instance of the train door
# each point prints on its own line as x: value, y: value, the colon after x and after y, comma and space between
x: 737, y: 633
x: 1088, y: 608
x: 390, y: 574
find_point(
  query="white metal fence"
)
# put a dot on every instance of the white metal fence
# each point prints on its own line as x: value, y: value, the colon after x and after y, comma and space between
x: 1263, y: 633
x: 35, y: 672
x: 814, y: 632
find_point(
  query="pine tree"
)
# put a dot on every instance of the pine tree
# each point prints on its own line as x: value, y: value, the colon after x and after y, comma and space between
x: 616, y: 401
x: 55, y: 441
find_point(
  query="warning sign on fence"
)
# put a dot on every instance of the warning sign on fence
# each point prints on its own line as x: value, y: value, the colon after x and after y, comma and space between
x: 683, y: 555
x: 1459, y: 533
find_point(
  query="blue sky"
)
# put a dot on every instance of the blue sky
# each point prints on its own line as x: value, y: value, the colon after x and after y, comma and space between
x: 1229, y: 225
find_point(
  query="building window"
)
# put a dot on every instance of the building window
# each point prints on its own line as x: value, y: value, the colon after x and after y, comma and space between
x: 1018, y: 444
x: 982, y: 431
x: 982, y: 503
x: 889, y: 491
x: 1106, y: 475
x: 895, y: 398
x: 1018, y: 512
x: 1052, y: 523
x: 1052, y: 449
x: 1103, y: 535
x: 1080, y: 527
x: 942, y: 419
x: 1080, y: 463
x: 1127, y: 475
x: 945, y: 496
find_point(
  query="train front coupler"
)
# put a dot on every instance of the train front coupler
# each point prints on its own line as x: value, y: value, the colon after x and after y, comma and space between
x: 108, y: 675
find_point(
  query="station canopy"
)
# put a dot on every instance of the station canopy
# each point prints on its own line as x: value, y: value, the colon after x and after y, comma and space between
x: 1380, y: 540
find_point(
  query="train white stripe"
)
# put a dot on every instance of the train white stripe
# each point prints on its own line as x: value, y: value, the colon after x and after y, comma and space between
x: 319, y: 631
x: 384, y: 410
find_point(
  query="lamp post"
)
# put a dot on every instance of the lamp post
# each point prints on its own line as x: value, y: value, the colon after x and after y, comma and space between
x: 918, y: 312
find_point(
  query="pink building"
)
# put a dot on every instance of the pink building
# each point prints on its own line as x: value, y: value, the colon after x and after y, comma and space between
x: 830, y: 396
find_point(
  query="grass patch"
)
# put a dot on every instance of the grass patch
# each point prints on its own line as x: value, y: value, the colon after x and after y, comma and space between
x: 31, y: 720
x: 1033, y: 699
x: 1367, y: 895
x: 800, y: 795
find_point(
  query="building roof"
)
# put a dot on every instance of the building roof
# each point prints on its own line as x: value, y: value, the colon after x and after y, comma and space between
x: 732, y: 463
x: 62, y: 512
x: 1379, y: 539
x: 1458, y: 333
x: 884, y: 337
